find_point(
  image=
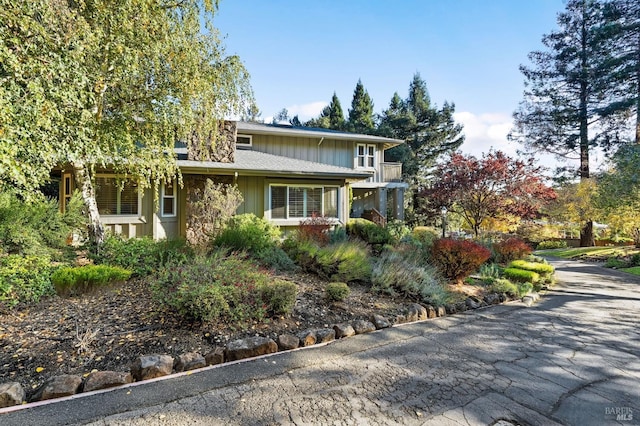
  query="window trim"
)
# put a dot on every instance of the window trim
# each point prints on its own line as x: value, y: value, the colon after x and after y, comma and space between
x: 244, y: 145
x: 288, y: 217
x: 173, y: 197
x: 116, y: 215
x: 366, y: 156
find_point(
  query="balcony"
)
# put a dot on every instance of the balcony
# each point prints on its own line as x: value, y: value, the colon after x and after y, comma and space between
x: 391, y: 172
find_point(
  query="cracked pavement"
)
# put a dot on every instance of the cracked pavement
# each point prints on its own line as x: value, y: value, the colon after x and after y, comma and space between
x: 573, y: 358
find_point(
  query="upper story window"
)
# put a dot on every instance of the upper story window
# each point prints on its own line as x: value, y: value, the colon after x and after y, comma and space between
x: 168, y: 199
x: 116, y: 196
x: 366, y: 156
x: 244, y: 141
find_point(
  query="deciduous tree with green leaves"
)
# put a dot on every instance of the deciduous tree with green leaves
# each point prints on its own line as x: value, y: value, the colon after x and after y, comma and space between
x: 110, y: 84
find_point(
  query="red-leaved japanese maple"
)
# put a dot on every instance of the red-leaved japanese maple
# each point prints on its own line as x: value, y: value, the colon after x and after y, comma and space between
x: 490, y: 187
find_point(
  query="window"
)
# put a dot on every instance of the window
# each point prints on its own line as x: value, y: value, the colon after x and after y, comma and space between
x: 244, y: 141
x: 116, y: 196
x: 168, y: 194
x: 296, y: 202
x: 366, y: 155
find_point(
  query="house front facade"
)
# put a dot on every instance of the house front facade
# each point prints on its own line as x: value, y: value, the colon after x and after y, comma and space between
x: 285, y: 174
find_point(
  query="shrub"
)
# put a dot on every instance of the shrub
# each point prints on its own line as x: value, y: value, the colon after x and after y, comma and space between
x: 220, y: 286
x: 524, y: 289
x: 635, y: 260
x: 275, y: 258
x: 24, y: 279
x: 398, y: 230
x: 249, y: 233
x: 425, y: 235
x: 78, y: 280
x: 490, y: 270
x: 210, y: 208
x: 510, y: 249
x: 540, y: 268
x: 552, y: 244
x: 38, y: 227
x: 615, y: 262
x: 457, y: 259
x: 520, y: 275
x: 369, y: 232
x: 337, y: 291
x: 395, y: 272
x: 279, y: 296
x: 338, y: 235
x: 503, y: 285
x: 316, y: 229
x: 142, y: 256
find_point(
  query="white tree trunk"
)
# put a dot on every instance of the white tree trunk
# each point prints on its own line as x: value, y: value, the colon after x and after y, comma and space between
x: 83, y: 181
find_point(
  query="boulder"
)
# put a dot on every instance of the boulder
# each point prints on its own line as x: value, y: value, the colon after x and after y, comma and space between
x: 250, y: 347
x: 441, y: 311
x: 416, y: 312
x: 343, y: 330
x: 503, y: 297
x: 379, y: 321
x: 431, y: 312
x: 287, y: 342
x: 401, y: 319
x: 189, y: 361
x: 461, y: 307
x: 307, y: 338
x: 215, y: 357
x: 528, y: 300
x: 11, y: 394
x: 325, y: 335
x: 362, y: 326
x: 471, y: 303
x: 57, y: 387
x: 151, y: 366
x: 492, y: 299
x: 106, y: 379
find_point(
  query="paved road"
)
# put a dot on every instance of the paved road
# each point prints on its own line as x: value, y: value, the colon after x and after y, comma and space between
x: 573, y: 358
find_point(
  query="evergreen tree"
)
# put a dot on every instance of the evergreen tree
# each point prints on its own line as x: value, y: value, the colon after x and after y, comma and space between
x: 621, y: 39
x: 565, y: 90
x: 429, y: 132
x: 361, y: 112
x: 331, y: 116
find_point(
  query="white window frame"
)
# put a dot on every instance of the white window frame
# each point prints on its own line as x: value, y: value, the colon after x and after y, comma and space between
x: 118, y: 200
x: 288, y: 217
x: 244, y: 145
x: 365, y: 157
x: 164, y: 196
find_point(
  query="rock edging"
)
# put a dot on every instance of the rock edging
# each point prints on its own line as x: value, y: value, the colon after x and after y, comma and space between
x: 153, y: 366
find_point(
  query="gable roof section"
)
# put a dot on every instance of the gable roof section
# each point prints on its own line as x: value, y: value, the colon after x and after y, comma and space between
x: 257, y: 163
x: 312, y: 132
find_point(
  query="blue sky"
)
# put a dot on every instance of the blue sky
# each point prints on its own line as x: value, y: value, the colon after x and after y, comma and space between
x: 468, y: 52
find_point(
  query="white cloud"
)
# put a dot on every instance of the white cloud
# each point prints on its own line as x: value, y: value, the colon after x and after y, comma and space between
x: 307, y: 111
x: 486, y: 131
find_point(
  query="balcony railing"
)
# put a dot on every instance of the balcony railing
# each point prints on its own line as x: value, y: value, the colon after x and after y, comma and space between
x: 391, y: 172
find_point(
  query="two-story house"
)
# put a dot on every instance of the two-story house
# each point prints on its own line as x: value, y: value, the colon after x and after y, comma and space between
x: 285, y: 174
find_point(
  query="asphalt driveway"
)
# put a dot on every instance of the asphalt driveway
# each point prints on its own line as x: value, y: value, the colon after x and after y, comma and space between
x: 573, y: 358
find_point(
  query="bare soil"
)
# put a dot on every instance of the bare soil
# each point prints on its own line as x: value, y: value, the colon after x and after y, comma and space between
x: 108, y: 329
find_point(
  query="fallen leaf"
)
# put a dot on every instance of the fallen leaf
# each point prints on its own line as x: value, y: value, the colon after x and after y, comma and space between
x: 39, y: 369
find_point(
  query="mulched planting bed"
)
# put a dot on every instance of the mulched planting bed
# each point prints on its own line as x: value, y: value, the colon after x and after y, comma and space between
x: 108, y: 329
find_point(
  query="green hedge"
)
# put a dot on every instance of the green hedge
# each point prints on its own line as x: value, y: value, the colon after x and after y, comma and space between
x: 521, y: 275
x: 540, y: 268
x: 81, y: 279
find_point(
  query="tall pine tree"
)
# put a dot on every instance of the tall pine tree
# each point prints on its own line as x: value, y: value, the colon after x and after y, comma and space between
x: 564, y: 91
x: 361, y: 112
x: 331, y: 117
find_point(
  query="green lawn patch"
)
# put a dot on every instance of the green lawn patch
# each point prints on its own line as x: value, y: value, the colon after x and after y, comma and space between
x: 590, y: 252
x: 635, y: 270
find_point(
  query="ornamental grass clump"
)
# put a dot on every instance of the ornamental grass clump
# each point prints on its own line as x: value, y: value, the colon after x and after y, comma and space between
x: 457, y: 259
x: 84, y: 279
x: 401, y: 273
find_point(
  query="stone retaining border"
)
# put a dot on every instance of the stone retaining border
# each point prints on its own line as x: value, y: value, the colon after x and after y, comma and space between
x: 249, y: 349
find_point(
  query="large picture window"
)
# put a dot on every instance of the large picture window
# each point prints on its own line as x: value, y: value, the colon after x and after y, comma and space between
x: 366, y: 155
x: 116, y: 196
x: 297, y: 202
